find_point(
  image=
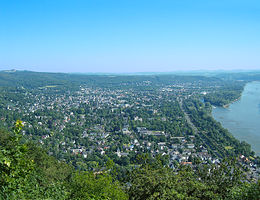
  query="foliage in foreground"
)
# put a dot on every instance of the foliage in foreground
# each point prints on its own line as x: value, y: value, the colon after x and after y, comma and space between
x: 27, y: 172
x: 152, y: 180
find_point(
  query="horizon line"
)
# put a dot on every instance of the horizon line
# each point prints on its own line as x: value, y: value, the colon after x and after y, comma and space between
x: 140, y: 73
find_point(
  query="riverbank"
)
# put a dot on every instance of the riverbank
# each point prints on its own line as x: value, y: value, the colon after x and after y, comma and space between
x: 227, y: 105
x: 242, y: 117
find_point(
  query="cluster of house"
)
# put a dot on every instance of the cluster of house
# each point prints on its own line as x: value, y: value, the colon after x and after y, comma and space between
x: 58, y: 111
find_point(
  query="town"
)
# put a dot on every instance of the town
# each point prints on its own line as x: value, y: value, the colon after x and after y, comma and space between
x: 88, y: 125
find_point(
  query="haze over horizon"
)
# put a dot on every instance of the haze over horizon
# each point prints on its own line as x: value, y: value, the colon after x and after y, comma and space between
x: 129, y: 36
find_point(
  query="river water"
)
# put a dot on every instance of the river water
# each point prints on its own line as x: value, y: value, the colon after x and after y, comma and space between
x: 242, y: 118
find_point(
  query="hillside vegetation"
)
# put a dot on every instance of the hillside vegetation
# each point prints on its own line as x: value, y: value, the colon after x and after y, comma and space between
x: 27, y: 172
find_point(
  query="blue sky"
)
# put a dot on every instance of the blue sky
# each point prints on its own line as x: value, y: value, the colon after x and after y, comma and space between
x: 129, y: 35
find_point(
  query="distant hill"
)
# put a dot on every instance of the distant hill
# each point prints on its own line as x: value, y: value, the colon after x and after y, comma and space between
x: 29, y: 79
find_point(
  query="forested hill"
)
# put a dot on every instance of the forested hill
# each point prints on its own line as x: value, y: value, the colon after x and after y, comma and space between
x: 247, y: 76
x: 31, y: 79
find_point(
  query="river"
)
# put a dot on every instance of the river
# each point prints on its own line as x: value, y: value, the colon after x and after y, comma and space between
x: 242, y: 118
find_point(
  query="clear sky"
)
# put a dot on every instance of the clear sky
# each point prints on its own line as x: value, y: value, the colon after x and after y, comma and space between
x: 129, y: 35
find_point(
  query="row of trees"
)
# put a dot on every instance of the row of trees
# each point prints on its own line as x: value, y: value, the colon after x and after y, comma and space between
x: 212, y: 135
